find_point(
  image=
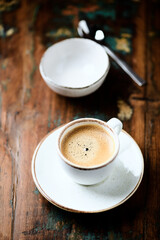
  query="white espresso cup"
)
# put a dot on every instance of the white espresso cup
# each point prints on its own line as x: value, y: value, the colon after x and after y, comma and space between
x: 95, y: 143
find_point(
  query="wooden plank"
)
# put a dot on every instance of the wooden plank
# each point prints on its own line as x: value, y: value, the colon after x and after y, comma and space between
x: 8, y: 91
x: 132, y: 222
x: 6, y: 188
x: 30, y: 123
x: 29, y: 110
x: 152, y: 204
x: 152, y: 146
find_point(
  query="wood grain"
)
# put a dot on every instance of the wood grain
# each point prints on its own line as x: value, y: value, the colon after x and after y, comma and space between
x: 29, y: 110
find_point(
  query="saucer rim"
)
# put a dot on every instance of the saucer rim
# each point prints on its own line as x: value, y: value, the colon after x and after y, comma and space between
x: 33, y: 171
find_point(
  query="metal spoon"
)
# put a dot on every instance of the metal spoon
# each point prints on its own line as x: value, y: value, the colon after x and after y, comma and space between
x: 98, y: 36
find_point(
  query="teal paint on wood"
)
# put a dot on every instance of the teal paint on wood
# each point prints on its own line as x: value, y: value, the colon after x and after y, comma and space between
x: 51, y: 221
x: 67, y: 15
x: 122, y: 45
x: 33, y: 231
x: 95, y: 114
x: 106, y: 13
x: 57, y: 120
x: 107, y: 28
x: 36, y: 191
x: 57, y: 220
x: 111, y: 42
x: 60, y: 33
x: 4, y: 84
x: 35, y: 15
x: 49, y: 119
x: 11, y: 203
x: 3, y: 66
x: 28, y: 94
x: 126, y: 30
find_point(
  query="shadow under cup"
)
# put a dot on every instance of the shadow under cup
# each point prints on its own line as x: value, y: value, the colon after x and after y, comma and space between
x: 91, y: 174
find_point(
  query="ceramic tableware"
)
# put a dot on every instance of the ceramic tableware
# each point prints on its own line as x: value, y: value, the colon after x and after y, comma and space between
x: 74, y: 67
x: 92, y: 141
x: 58, y: 188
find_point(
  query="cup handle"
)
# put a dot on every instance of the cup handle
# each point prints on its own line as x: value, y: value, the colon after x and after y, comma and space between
x: 115, y: 124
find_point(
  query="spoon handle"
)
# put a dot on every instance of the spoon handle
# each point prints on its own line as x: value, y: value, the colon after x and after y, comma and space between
x: 125, y: 67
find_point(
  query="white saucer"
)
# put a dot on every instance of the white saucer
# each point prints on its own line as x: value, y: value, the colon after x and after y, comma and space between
x: 60, y: 190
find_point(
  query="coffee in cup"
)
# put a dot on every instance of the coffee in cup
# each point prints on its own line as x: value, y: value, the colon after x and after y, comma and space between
x: 87, y: 148
x: 88, y: 145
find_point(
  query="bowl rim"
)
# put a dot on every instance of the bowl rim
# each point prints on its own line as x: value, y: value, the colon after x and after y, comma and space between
x: 51, y: 81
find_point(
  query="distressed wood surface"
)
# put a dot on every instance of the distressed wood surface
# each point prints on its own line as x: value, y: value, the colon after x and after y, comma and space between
x: 29, y: 110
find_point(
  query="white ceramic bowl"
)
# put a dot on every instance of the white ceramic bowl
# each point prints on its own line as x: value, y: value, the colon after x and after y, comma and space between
x: 74, y: 67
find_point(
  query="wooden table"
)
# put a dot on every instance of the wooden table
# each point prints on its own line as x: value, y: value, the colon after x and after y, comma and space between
x: 29, y: 110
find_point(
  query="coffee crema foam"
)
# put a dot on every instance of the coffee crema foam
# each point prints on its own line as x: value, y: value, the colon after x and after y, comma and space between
x: 88, y: 145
